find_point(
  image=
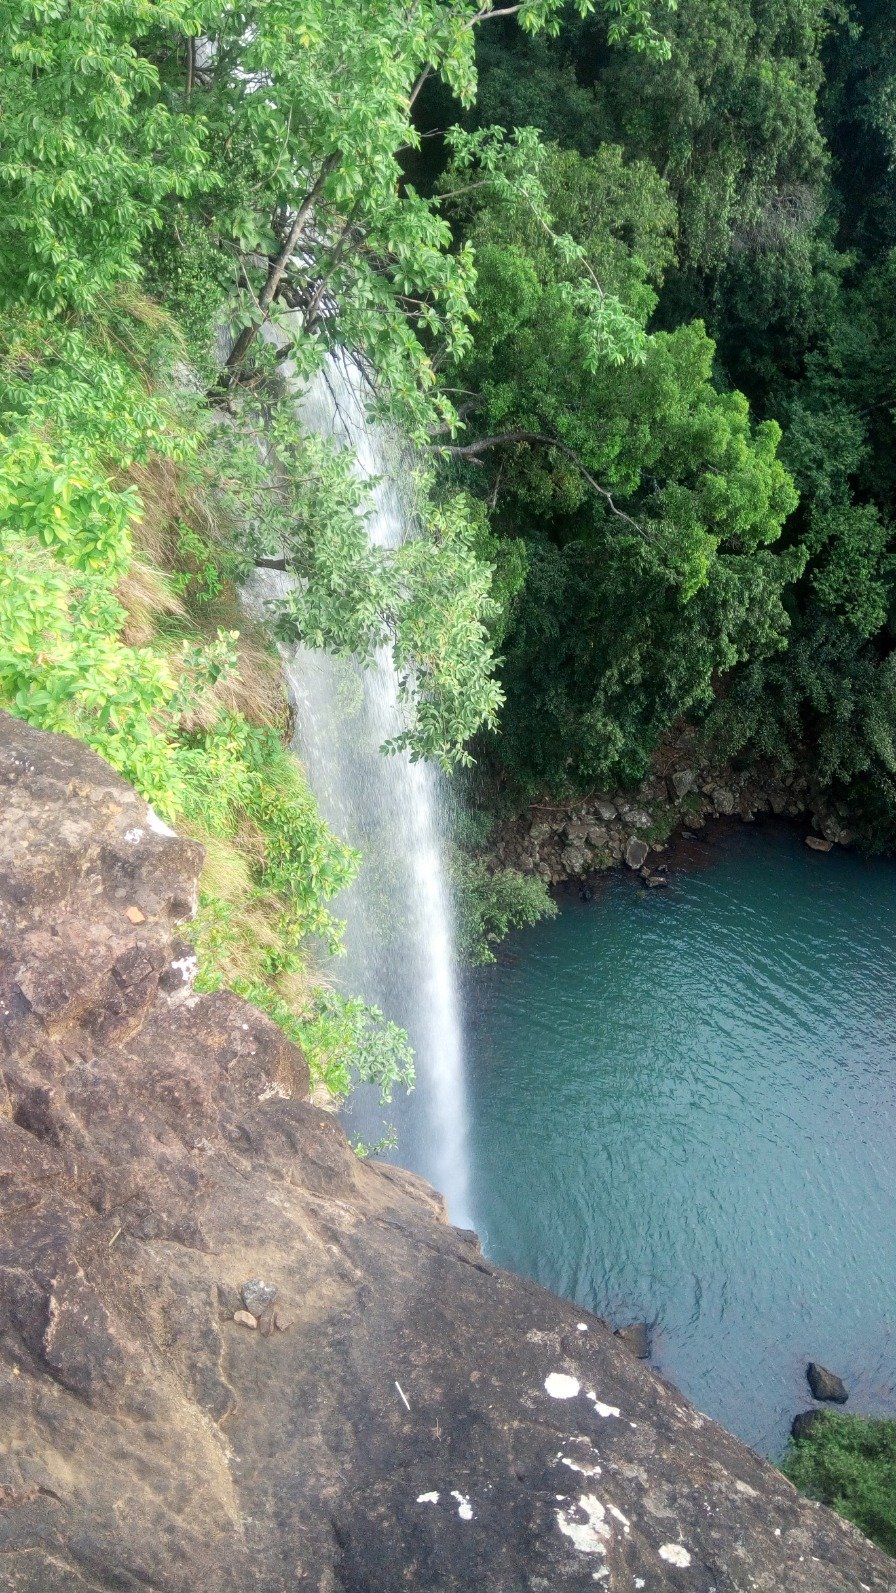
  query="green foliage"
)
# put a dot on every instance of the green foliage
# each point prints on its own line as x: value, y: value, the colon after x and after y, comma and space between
x: 72, y: 401
x: 849, y: 1463
x: 647, y: 499
x: 90, y: 149
x: 491, y: 902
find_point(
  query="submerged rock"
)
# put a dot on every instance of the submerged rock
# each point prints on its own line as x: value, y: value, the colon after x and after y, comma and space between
x: 818, y: 844
x: 825, y: 1384
x: 636, y: 1339
x: 399, y: 1426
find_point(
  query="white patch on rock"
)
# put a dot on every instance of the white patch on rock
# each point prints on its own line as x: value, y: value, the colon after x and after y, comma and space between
x: 585, y: 1471
x: 600, y: 1407
x: 675, y: 1553
x: 464, y: 1508
x: 186, y: 966
x: 133, y: 836
x: 427, y: 1498
x: 560, y: 1386
x: 158, y: 826
x: 590, y: 1535
x: 639, y: 1581
x: 581, y: 1327
x: 623, y: 1520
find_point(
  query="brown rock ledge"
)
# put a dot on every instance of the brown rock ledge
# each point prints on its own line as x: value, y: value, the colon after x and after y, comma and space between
x: 422, y: 1421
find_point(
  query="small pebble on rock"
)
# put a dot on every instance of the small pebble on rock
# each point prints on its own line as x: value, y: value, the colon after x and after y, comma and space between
x: 257, y: 1295
x: 245, y: 1319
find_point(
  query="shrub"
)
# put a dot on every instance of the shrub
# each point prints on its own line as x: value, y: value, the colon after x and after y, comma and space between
x: 849, y: 1463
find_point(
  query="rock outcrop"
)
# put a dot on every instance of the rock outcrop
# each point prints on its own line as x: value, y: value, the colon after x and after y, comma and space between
x: 566, y: 840
x: 234, y: 1357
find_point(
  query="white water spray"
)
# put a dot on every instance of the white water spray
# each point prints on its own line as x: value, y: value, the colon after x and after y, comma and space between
x: 399, y: 933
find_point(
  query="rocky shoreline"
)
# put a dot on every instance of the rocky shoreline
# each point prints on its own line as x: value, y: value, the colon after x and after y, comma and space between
x: 562, y: 842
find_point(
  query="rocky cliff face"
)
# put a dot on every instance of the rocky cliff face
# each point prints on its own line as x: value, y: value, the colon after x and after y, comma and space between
x: 234, y: 1357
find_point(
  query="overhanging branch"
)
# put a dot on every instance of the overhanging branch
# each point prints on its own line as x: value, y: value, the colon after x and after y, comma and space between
x: 542, y: 440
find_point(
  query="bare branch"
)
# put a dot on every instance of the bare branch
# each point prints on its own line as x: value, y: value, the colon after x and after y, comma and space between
x: 486, y: 14
x: 424, y: 75
x: 541, y: 439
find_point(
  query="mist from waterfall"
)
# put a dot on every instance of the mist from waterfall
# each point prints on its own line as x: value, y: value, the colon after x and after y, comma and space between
x: 399, y: 939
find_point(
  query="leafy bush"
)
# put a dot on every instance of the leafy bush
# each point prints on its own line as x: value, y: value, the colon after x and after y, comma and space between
x: 849, y: 1463
x: 492, y: 902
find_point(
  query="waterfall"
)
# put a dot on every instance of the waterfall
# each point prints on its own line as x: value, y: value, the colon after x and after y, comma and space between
x: 399, y: 937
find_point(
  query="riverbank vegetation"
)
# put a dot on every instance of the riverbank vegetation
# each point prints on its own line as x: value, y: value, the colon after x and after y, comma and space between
x: 677, y: 553
x: 849, y: 1463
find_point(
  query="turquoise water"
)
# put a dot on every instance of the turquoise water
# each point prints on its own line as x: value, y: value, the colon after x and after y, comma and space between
x: 682, y: 1106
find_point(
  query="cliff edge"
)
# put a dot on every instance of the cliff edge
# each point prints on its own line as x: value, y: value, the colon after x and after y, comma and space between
x: 391, y: 1411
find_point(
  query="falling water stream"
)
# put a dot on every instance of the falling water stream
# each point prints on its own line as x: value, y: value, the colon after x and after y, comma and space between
x: 399, y: 942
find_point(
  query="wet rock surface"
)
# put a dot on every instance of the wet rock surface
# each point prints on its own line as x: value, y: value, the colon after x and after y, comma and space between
x: 403, y: 1415
x: 636, y: 1338
x: 805, y: 1422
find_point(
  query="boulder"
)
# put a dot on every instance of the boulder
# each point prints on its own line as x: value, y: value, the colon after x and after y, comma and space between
x: 825, y: 1384
x: 680, y: 783
x: 573, y: 860
x: 724, y: 801
x: 575, y: 831
x: 636, y: 818
x: 636, y: 852
x: 803, y: 1424
x: 636, y: 1339
x: 817, y: 844
x: 540, y: 831
x: 606, y: 810
x: 402, y: 1414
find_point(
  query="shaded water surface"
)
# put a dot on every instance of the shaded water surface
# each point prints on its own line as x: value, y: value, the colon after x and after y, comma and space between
x: 682, y: 1107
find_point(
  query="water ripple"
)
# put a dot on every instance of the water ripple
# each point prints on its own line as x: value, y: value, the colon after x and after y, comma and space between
x: 683, y: 1108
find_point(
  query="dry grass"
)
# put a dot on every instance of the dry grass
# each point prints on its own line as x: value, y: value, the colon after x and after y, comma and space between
x: 257, y: 690
x: 146, y: 592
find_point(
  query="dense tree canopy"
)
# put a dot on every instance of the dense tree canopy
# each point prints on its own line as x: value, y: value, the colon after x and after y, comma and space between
x: 606, y: 265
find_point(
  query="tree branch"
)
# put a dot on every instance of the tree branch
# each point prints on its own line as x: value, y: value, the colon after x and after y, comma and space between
x: 541, y: 439
x: 278, y: 266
